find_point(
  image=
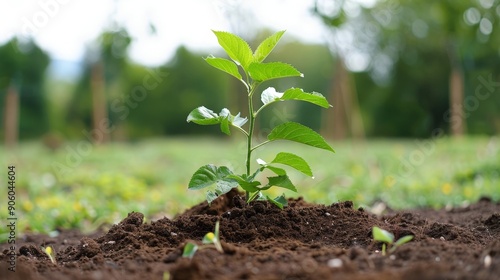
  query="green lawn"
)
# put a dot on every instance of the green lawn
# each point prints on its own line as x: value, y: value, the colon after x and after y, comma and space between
x: 85, y: 186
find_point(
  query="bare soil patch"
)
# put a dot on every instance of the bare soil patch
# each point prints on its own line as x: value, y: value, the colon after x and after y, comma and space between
x: 303, y: 241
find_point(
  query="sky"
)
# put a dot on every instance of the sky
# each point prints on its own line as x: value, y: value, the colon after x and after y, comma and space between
x: 65, y: 28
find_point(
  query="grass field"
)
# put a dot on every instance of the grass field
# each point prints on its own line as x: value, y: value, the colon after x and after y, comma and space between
x: 84, y: 186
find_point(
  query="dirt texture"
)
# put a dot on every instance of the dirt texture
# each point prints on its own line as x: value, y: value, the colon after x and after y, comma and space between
x: 260, y: 241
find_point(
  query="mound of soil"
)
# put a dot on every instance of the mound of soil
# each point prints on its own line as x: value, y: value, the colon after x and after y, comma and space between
x: 260, y: 241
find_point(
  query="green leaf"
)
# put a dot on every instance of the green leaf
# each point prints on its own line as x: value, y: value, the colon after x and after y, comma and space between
x: 208, y: 175
x: 189, y: 250
x: 299, y: 94
x: 203, y: 116
x: 275, y: 202
x: 224, y: 126
x: 252, y: 177
x: 403, y: 240
x: 264, y: 165
x: 279, y: 201
x: 255, y: 196
x: 222, y: 187
x: 267, y: 46
x: 382, y: 235
x: 261, y: 72
x: 246, y: 183
x: 277, y: 170
x: 282, y: 200
x: 299, y: 133
x: 227, y: 119
x: 280, y: 181
x: 233, y: 120
x: 293, y: 161
x: 224, y: 65
x: 237, y: 49
x: 210, y: 196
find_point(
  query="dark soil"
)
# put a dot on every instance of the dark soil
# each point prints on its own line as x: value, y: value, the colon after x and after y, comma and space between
x: 260, y: 241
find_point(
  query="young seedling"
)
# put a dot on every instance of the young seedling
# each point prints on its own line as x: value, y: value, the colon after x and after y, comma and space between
x: 189, y: 250
x: 248, y: 67
x: 387, y: 239
x: 211, y: 238
x: 50, y: 252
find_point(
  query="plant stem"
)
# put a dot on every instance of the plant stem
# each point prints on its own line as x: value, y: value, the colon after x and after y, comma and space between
x: 261, y: 144
x: 249, y: 140
x: 263, y: 106
x: 241, y: 130
x: 251, y: 117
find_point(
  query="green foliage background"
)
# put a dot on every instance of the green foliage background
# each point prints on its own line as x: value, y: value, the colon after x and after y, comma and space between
x: 22, y: 66
x: 412, y: 104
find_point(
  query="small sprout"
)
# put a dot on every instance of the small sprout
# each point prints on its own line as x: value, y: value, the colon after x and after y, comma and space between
x: 166, y: 275
x: 209, y: 238
x: 189, y: 250
x: 50, y: 252
x: 213, y: 238
x: 387, y: 238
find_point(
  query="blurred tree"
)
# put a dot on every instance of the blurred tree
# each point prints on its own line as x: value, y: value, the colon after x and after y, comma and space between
x: 22, y: 73
x: 423, y: 50
x: 347, y: 116
x: 11, y: 117
x: 316, y: 62
x: 107, y: 73
x: 101, y: 80
x: 183, y: 84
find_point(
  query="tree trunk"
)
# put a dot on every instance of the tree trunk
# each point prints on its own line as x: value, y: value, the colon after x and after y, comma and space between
x: 11, y: 117
x: 458, y: 125
x: 356, y: 124
x: 99, y: 111
x: 344, y: 119
x: 334, y: 123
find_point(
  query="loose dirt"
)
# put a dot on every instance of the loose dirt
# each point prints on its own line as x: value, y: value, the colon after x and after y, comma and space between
x: 260, y: 241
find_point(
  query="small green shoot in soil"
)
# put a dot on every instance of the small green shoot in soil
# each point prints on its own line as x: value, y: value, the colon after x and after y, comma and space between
x: 211, y: 238
x: 248, y: 67
x: 387, y: 239
x: 51, y: 253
